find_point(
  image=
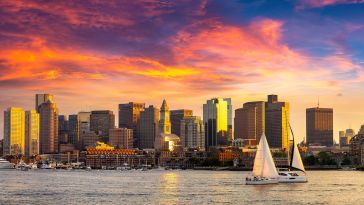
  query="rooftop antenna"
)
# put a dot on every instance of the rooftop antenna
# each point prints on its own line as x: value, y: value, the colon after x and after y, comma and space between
x: 318, y: 102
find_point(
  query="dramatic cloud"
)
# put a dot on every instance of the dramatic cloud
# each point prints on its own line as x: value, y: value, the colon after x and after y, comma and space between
x: 96, y: 54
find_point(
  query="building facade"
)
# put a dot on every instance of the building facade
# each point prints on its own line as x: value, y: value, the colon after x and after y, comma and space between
x: 148, y: 127
x: 42, y: 98
x: 62, y: 129
x: 319, y: 126
x: 277, y: 123
x: 101, y: 121
x: 74, y: 130
x: 32, y: 131
x: 129, y: 115
x: 48, y: 127
x: 14, y: 131
x: 215, y: 118
x: 84, y: 118
x: 176, y: 116
x: 121, y: 138
x: 192, y: 133
x: 249, y: 121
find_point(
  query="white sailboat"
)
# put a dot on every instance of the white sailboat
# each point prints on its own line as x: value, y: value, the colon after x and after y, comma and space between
x: 264, y: 170
x: 296, y: 172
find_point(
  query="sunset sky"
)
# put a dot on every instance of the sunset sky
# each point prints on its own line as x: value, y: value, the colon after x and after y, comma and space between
x: 97, y: 54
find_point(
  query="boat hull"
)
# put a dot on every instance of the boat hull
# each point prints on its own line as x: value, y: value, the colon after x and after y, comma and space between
x: 292, y: 177
x: 261, y: 181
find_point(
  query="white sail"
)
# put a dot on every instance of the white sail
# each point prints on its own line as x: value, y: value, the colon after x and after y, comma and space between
x: 296, y: 161
x: 263, y: 163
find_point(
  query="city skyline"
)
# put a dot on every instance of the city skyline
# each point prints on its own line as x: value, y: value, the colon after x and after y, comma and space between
x: 93, y: 57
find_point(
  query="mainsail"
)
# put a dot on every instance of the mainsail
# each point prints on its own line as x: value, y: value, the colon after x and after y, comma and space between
x: 263, y: 163
x: 296, y: 161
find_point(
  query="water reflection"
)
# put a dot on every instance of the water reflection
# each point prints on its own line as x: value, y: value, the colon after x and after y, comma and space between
x: 168, y: 191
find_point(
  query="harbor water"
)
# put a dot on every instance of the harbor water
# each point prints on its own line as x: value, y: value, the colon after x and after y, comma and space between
x: 173, y: 187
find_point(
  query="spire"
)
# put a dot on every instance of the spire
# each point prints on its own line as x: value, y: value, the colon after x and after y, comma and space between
x: 318, y: 102
x: 164, y: 105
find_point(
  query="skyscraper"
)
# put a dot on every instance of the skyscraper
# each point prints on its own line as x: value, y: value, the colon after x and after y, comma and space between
x: 74, y: 130
x: 84, y: 118
x: 148, y: 127
x: 164, y: 120
x: 319, y: 126
x: 129, y: 115
x: 102, y: 121
x: 62, y: 129
x: 42, y: 98
x: 48, y: 127
x: 215, y: 117
x: 249, y: 121
x: 32, y: 133
x: 277, y: 122
x: 192, y: 133
x: 14, y: 131
x: 230, y: 118
x: 176, y: 116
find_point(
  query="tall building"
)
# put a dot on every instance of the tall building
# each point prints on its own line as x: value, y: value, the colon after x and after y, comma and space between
x: 345, y: 137
x: 215, y: 117
x: 319, y: 126
x: 164, y: 120
x: 192, y: 133
x: 42, y: 98
x: 62, y: 129
x: 32, y: 133
x: 74, y: 130
x: 230, y: 118
x: 102, y: 121
x: 277, y: 122
x: 148, y: 127
x: 249, y: 121
x: 14, y: 131
x: 48, y: 127
x: 84, y: 118
x: 129, y: 115
x: 176, y: 116
x: 121, y: 137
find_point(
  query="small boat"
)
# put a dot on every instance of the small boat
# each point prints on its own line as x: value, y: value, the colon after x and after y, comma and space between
x: 296, y: 172
x: 46, y: 166
x: 264, y: 169
x: 4, y: 164
x: 88, y: 168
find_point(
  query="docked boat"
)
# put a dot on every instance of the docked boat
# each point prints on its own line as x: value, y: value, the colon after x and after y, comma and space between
x: 296, y: 172
x: 4, y: 164
x: 264, y: 170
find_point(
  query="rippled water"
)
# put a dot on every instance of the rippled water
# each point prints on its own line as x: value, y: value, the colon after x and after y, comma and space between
x: 174, y: 187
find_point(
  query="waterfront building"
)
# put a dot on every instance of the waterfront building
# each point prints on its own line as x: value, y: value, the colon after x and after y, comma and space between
x: 215, y: 118
x: 176, y: 116
x: 42, y: 98
x: 238, y: 143
x: 249, y: 121
x: 319, y: 126
x: 101, y: 121
x: 48, y: 127
x: 277, y: 123
x: 192, y: 133
x: 74, y: 130
x: 129, y: 115
x: 121, y: 138
x: 32, y: 131
x: 148, y: 127
x: 14, y: 131
x: 84, y: 118
x: 62, y: 129
x: 89, y: 139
